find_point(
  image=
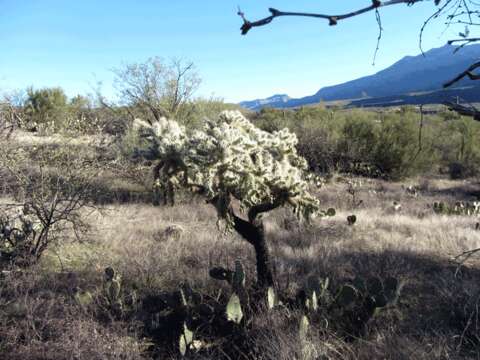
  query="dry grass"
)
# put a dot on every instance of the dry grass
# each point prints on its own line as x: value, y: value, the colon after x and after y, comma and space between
x: 437, y: 317
x: 414, y: 244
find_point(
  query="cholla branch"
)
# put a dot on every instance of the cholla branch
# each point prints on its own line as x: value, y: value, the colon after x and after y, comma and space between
x: 332, y: 19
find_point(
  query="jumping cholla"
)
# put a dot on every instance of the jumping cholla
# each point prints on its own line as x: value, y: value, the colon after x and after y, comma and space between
x: 232, y: 157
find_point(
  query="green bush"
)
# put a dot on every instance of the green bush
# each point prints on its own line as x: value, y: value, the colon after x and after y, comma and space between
x: 398, y: 153
x: 45, y: 108
x: 49, y: 110
x: 359, y: 138
x: 364, y: 142
x: 459, y: 147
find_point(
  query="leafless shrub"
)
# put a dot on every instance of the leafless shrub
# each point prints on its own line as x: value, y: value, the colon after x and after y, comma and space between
x: 48, y: 206
x: 11, y: 114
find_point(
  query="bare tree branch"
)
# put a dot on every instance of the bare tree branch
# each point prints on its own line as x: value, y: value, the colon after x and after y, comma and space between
x: 467, y: 73
x: 464, y: 110
x: 463, y: 257
x: 333, y: 19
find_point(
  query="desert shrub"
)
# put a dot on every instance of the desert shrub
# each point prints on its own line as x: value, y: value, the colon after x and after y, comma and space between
x: 49, y: 110
x: 81, y: 117
x: 357, y: 141
x: 318, y: 132
x: 47, y: 206
x: 459, y: 147
x: 45, y: 108
x: 400, y: 151
x: 271, y: 120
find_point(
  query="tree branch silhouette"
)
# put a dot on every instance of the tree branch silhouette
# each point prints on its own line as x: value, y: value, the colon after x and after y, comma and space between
x: 332, y: 19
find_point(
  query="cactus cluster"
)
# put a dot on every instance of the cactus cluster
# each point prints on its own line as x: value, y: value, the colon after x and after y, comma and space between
x: 372, y: 292
x: 308, y: 350
x: 314, y: 294
x: 239, y: 298
x: 186, y: 340
x: 471, y: 208
x: 19, y: 233
x: 356, y: 301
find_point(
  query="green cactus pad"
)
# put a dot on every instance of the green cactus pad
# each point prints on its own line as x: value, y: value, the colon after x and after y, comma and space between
x: 109, y: 273
x: 271, y: 298
x: 331, y: 212
x: 380, y: 301
x: 239, y: 275
x: 346, y: 296
x: 391, y: 284
x: 220, y: 273
x: 186, y: 339
x: 114, y: 290
x: 234, y: 309
x: 303, y: 328
x: 314, y: 301
x: 359, y: 284
x: 374, y: 286
x: 352, y: 219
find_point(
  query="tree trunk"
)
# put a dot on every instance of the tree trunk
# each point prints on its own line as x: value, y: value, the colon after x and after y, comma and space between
x: 254, y: 233
x: 264, y: 266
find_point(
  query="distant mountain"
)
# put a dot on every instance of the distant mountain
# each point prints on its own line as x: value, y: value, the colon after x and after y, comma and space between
x: 407, y: 77
x: 272, y: 101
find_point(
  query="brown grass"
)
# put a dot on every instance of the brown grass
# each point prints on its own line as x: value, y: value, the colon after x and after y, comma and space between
x: 437, y: 317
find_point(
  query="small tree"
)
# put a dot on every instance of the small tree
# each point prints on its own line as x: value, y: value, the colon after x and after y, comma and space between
x: 157, y: 88
x: 232, y: 160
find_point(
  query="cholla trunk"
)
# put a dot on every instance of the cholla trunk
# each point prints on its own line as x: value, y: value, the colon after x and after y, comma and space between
x: 254, y: 233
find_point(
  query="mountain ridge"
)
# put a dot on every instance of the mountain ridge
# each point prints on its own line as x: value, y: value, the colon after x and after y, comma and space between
x: 411, y: 74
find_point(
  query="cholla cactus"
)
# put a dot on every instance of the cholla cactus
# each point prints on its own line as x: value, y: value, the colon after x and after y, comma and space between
x: 19, y: 233
x: 230, y: 156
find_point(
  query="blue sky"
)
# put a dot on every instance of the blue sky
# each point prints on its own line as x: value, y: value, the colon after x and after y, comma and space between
x: 75, y: 44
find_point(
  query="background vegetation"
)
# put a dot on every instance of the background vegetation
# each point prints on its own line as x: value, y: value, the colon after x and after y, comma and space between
x: 88, y: 265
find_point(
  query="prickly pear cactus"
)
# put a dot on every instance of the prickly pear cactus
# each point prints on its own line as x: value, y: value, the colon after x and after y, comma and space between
x: 234, y: 309
x: 468, y: 208
x: 315, y: 294
x: 271, y: 298
x: 308, y: 350
x: 19, y: 235
x: 351, y: 220
x: 346, y: 296
x: 303, y: 328
x: 238, y: 281
x: 186, y: 340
